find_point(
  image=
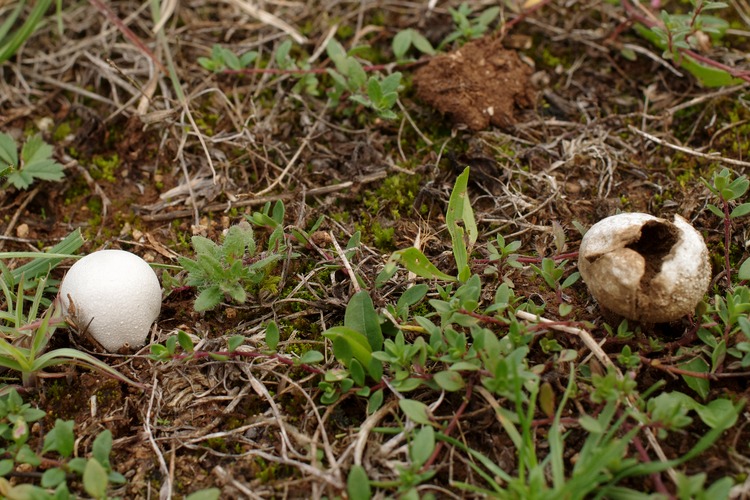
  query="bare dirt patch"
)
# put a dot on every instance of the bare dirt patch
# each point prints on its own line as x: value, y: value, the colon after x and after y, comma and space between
x: 478, y: 85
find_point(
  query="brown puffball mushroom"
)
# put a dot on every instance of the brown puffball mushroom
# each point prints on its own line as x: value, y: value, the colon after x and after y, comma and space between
x: 645, y: 268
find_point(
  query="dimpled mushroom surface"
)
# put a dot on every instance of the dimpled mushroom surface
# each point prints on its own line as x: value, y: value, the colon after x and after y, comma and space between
x: 114, y: 296
x: 645, y: 268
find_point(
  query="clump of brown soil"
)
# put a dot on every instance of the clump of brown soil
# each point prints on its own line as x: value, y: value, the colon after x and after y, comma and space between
x: 477, y: 85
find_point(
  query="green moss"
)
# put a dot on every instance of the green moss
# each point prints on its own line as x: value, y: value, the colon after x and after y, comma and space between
x: 550, y: 59
x: 396, y: 194
x: 62, y: 131
x: 383, y: 236
x: 104, y: 167
x: 216, y: 444
x: 207, y: 123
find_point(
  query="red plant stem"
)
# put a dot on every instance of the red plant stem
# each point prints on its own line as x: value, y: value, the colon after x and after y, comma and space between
x: 318, y: 71
x: 655, y: 363
x: 656, y: 477
x: 649, y: 23
x: 727, y: 242
x: 483, y: 317
x: 250, y: 354
x: 451, y: 426
x: 105, y: 9
x: 523, y: 15
x: 550, y: 420
x: 559, y: 257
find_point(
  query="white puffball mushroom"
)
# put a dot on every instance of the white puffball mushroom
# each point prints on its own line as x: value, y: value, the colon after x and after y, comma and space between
x: 645, y: 268
x: 114, y: 295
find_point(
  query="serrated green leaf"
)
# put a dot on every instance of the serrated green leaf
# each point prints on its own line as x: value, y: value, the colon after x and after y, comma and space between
x: 208, y: 299
x: 8, y: 151
x: 35, y: 149
x: 205, y: 246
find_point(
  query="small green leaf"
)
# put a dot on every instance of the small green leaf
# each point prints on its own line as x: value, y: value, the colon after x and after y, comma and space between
x: 699, y: 385
x: 26, y: 455
x: 8, y: 151
x: 208, y: 298
x: 185, y: 341
x: 6, y: 466
x: 60, y: 439
x: 311, y: 357
x: 415, y: 261
x: 52, y: 477
x: 415, y: 410
x: 35, y: 149
x: 272, y: 335
x: 234, y: 342
x: 207, y: 494
x: 422, y: 446
x: 373, y: 90
x: 358, y: 484
x: 375, y: 401
x: 718, y: 414
x: 591, y: 424
x: 357, y: 371
x: 422, y: 44
x: 450, y: 381
x: 102, y: 447
x: 361, y: 316
x: 744, y: 272
x: 740, y: 210
x: 348, y: 343
x: 401, y: 43
x: 95, y: 480
x: 356, y: 74
x: 715, y: 210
